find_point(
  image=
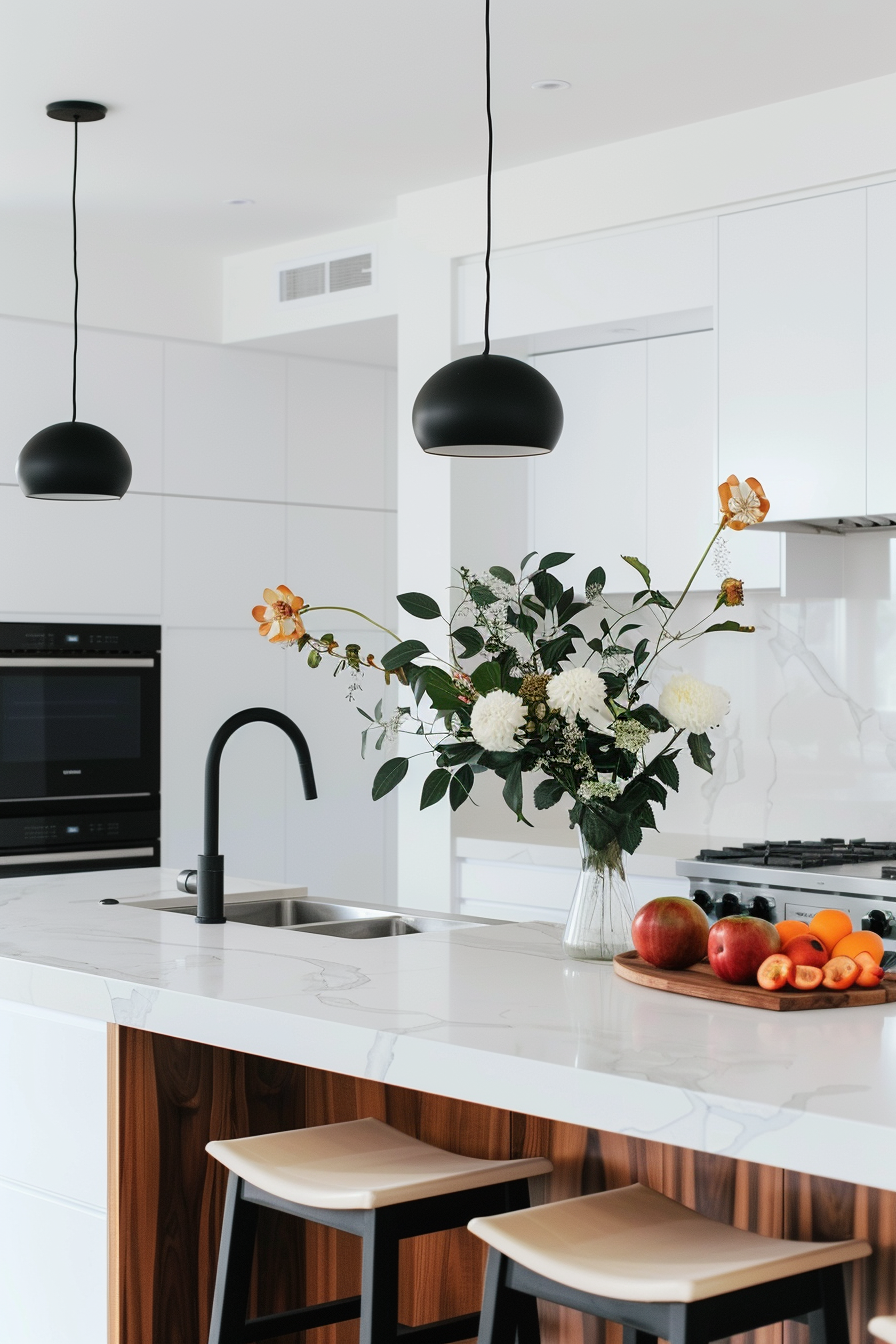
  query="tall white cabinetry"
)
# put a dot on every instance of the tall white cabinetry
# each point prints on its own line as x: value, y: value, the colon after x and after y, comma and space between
x: 792, y: 352
x: 634, y: 472
x: 882, y: 349
x: 53, y: 1198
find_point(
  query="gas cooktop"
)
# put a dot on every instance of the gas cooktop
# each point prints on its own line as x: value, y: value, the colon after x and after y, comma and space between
x: 826, y: 853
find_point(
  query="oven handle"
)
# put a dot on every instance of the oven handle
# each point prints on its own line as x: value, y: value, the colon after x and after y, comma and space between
x: 111, y: 661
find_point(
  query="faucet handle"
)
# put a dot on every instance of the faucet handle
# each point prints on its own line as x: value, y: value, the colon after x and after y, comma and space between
x: 186, y: 881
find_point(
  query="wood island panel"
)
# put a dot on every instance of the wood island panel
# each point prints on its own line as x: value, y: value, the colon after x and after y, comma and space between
x: 168, y: 1097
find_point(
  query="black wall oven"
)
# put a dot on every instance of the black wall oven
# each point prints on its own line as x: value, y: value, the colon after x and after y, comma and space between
x: 80, y: 754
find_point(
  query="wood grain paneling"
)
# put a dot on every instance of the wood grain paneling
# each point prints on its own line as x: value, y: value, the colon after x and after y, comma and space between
x: 166, y: 1196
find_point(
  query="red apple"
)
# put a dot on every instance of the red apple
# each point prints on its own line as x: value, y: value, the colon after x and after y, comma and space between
x: 738, y: 945
x: 671, y: 932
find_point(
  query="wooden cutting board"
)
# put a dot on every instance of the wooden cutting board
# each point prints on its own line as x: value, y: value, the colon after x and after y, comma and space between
x: 701, y: 982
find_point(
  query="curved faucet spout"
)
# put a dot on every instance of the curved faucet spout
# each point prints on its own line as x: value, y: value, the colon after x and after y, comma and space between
x: 210, y: 871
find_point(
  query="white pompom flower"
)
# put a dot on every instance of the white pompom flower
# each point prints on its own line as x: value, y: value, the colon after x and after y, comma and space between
x: 495, y: 719
x: 692, y: 704
x: 580, y: 692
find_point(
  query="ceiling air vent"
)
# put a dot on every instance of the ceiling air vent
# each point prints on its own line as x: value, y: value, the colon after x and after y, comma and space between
x: 319, y: 276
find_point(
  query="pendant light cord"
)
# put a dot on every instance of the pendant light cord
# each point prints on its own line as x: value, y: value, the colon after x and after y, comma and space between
x: 75, y: 267
x: 488, y: 174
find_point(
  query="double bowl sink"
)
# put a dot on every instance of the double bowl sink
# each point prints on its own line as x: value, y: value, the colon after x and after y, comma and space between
x: 335, y: 920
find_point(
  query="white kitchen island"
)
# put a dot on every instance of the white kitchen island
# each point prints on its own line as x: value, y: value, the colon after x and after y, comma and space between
x: 488, y: 1016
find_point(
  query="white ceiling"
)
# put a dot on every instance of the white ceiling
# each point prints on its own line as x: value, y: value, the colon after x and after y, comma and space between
x: 324, y: 112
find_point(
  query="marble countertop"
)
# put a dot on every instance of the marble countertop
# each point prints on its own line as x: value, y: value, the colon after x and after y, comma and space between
x: 492, y: 1014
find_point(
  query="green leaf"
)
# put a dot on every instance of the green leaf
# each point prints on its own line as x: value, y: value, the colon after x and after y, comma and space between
x: 364, y: 712
x: 469, y: 639
x: 441, y: 689
x: 555, y: 650
x: 364, y: 744
x: 513, y: 788
x: 534, y: 606
x: 403, y: 653
x: 701, y: 751
x: 435, y: 786
x: 380, y: 740
x: 460, y: 753
x: 418, y: 604
x: 548, y: 793
x: 597, y: 830
x: 625, y: 630
x: 636, y: 564
x: 482, y: 596
x: 525, y: 560
x: 723, y: 625
x: 548, y: 589
x: 629, y: 835
x: 498, y: 572
x: 461, y: 784
x: 556, y: 558
x: 389, y: 776
x: 487, y: 677
x: 640, y: 654
x: 527, y: 625
x: 596, y: 579
x: 665, y: 769
x: 660, y: 599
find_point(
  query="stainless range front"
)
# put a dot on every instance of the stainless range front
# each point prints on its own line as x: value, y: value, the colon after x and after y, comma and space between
x: 797, y: 879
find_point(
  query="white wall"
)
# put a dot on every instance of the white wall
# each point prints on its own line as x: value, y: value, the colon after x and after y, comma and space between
x: 250, y: 469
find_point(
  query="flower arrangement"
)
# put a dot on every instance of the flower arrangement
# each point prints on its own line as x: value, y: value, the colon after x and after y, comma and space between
x: 518, y: 688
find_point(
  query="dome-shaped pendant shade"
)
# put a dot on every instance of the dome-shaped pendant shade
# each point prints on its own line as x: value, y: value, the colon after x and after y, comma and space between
x: 73, y: 460
x: 487, y: 406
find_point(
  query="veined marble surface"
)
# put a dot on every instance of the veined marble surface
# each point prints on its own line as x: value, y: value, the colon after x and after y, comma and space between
x: 491, y: 1014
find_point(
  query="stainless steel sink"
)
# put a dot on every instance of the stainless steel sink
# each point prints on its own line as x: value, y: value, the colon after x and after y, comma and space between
x: 332, y: 919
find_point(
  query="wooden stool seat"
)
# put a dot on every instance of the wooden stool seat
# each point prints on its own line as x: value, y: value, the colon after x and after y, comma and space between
x: 638, y: 1245
x: 360, y: 1164
x: 883, y: 1327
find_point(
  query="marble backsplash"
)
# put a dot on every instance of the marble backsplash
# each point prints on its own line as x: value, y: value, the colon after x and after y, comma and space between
x: 809, y: 746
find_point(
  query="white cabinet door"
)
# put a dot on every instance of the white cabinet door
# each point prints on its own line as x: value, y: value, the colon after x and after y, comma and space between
x: 589, y: 494
x: 682, y: 505
x: 882, y: 349
x: 792, y: 353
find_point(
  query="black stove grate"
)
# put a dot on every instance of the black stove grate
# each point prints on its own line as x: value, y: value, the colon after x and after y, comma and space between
x: 826, y: 853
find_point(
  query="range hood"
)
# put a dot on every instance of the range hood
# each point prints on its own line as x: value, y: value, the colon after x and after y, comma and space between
x: 847, y: 526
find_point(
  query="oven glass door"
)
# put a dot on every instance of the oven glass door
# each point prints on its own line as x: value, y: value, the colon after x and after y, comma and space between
x: 85, y: 728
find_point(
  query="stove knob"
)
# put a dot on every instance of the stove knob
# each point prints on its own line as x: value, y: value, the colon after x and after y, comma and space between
x: 763, y: 907
x: 731, y: 904
x: 879, y: 921
x: 705, y: 902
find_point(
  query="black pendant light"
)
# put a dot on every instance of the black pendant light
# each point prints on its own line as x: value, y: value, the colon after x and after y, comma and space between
x: 74, y: 460
x: 487, y: 405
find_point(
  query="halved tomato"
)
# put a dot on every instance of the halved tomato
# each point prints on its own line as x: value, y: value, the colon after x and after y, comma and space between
x: 805, y: 977
x: 772, y: 974
x: 870, y: 974
x: 840, y: 973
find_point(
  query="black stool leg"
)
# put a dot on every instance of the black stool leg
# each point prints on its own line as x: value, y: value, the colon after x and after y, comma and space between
x: 234, y: 1267
x: 630, y: 1335
x: 498, y: 1319
x: 379, y: 1278
x: 830, y: 1324
x: 528, y: 1330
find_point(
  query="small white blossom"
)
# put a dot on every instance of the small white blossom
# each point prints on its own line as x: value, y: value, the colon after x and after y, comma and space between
x: 593, y: 592
x: 598, y: 788
x: 393, y: 724
x: 495, y: 719
x: 580, y: 692
x: 692, y: 704
x: 631, y: 735
x: 505, y: 592
x: 570, y: 745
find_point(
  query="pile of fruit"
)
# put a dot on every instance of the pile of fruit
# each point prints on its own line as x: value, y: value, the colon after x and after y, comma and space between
x: 672, y: 933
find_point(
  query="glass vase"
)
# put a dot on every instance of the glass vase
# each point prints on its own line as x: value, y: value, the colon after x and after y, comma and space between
x: 600, y: 918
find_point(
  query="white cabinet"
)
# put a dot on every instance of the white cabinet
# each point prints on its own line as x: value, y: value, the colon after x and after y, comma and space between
x: 588, y: 495
x: 682, y: 505
x: 882, y: 349
x: 792, y: 353
x: 52, y: 1177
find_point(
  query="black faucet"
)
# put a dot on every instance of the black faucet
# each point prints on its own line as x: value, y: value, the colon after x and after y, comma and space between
x: 207, y: 881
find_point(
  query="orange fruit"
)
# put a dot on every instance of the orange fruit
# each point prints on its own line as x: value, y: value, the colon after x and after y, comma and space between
x: 830, y: 926
x: 791, y: 928
x: 806, y: 950
x: 863, y: 941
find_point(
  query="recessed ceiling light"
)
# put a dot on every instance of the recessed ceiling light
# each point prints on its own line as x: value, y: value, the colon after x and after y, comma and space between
x: 241, y: 200
x: 550, y: 84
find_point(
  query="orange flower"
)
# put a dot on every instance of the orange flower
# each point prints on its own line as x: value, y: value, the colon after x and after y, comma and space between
x: 742, y: 504
x: 279, y: 618
x: 732, y: 592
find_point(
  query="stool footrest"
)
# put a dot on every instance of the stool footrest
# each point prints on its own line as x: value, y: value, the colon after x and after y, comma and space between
x: 441, y: 1332
x: 306, y: 1318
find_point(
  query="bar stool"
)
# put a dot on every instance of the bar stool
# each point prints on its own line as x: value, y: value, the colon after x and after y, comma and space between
x: 368, y: 1179
x: 883, y: 1327
x: 658, y: 1269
